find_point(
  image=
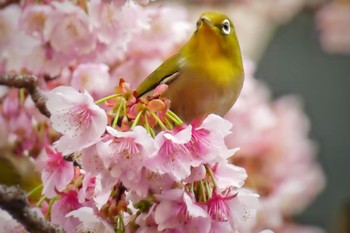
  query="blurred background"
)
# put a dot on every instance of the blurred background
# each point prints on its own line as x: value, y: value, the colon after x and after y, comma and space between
x: 295, y: 62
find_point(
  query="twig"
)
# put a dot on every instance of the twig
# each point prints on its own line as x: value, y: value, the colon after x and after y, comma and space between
x: 5, y: 3
x: 15, y: 202
x: 30, y: 83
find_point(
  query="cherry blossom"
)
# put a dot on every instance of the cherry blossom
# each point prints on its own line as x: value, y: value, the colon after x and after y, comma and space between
x: 125, y: 154
x: 229, y: 175
x: 207, y: 142
x: 332, y: 21
x: 186, y: 215
x: 69, y: 21
x: 76, y: 116
x: 92, y: 77
x: 115, y: 24
x: 173, y: 156
x: 167, y: 30
x: 14, y: 43
x: 236, y: 208
x: 34, y: 18
x: 56, y: 173
x: 90, y: 221
x: 59, y: 210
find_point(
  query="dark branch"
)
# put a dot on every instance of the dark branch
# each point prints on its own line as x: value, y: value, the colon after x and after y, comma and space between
x: 5, y: 3
x: 15, y: 202
x: 30, y: 83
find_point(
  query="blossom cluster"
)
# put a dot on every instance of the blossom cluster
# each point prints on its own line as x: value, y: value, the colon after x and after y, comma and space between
x: 62, y: 35
x: 65, y: 43
x: 178, y: 180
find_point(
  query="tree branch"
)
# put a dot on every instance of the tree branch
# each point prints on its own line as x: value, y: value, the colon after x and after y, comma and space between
x: 15, y: 202
x: 30, y: 83
x: 5, y: 3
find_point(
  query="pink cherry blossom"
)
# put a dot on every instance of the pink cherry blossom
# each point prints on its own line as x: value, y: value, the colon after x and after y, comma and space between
x: 126, y: 153
x: 14, y: 43
x: 33, y: 19
x: 45, y: 62
x: 197, y: 173
x: 151, y: 182
x: 167, y: 29
x: 146, y: 222
x: 76, y: 116
x: 218, y: 208
x: 19, y: 127
x: 236, y: 208
x: 69, y: 21
x: 332, y: 21
x: 89, y: 221
x: 186, y: 215
x: 87, y: 190
x: 92, y: 163
x: 93, y: 191
x: 207, y: 142
x: 67, y: 203
x: 115, y: 23
x: 228, y: 175
x: 173, y: 157
x: 92, y: 77
x: 56, y: 173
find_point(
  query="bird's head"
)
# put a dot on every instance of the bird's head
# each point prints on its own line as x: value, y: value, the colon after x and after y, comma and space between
x: 216, y: 22
x: 215, y: 31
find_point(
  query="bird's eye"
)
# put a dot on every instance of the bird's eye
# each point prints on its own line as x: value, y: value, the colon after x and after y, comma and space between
x: 226, y: 27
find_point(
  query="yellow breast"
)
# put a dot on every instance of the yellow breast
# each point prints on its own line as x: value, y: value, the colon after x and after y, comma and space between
x: 200, y: 89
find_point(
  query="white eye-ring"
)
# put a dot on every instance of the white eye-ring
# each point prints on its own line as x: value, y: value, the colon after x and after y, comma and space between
x: 226, y: 27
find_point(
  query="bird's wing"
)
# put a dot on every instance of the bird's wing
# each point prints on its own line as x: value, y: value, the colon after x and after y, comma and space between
x: 165, y: 73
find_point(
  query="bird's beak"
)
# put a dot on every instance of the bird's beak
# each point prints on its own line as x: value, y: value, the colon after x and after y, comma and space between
x: 205, y: 20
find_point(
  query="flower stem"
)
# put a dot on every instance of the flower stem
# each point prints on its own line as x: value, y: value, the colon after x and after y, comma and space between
x: 148, y: 128
x: 137, y: 119
x: 52, y: 201
x: 204, y: 197
x: 42, y: 199
x: 174, y: 117
x: 22, y: 94
x: 168, y: 123
x: 117, y: 114
x: 207, y: 187
x: 34, y: 190
x: 192, y: 188
x: 106, y: 98
x: 211, y: 175
x: 120, y: 224
x: 160, y: 123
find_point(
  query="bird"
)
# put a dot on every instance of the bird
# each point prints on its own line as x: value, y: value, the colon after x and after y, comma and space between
x: 206, y: 75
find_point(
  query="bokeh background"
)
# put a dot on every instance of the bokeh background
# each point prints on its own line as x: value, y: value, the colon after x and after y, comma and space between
x: 295, y: 62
